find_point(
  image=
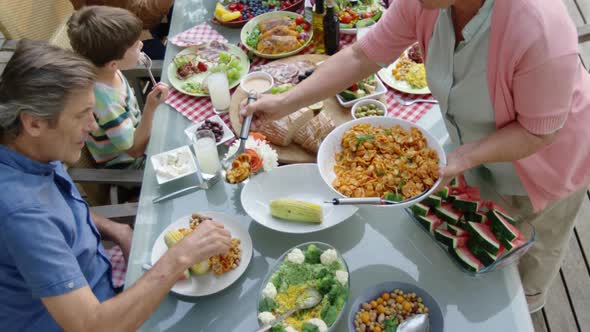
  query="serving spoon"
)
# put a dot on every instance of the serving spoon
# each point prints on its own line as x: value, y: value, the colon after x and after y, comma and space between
x: 244, y: 133
x: 417, y: 323
x: 308, y: 299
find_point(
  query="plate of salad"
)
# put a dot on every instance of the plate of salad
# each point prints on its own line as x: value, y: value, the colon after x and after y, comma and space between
x: 353, y: 14
x: 309, y: 265
x: 190, y: 67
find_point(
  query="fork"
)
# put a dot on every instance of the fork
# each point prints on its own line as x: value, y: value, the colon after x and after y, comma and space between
x: 201, y: 186
x: 408, y: 102
x: 147, y: 62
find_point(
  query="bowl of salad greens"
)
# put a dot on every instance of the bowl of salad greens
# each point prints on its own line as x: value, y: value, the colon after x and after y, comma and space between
x: 313, y: 264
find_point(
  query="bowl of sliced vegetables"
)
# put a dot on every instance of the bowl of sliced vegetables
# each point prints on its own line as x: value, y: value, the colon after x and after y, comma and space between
x: 276, y: 35
x: 313, y: 264
x: 368, y: 88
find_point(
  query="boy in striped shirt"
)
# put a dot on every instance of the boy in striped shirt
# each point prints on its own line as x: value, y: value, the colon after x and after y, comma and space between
x: 109, y: 37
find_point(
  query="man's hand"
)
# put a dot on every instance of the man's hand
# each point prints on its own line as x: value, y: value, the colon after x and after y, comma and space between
x: 209, y: 239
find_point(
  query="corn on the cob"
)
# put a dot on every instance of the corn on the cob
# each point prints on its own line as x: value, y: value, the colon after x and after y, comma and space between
x: 171, y: 238
x: 201, y: 267
x: 290, y: 209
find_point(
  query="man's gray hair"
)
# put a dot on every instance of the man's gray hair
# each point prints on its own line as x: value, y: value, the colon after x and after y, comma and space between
x: 37, y: 80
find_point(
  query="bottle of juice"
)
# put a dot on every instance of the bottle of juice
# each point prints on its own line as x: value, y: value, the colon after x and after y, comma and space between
x: 317, y: 23
x: 331, y: 29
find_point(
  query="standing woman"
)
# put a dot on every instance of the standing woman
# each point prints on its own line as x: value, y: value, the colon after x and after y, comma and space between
x: 513, y: 94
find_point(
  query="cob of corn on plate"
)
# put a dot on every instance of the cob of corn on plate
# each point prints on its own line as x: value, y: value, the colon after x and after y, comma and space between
x: 294, y: 210
x: 171, y: 238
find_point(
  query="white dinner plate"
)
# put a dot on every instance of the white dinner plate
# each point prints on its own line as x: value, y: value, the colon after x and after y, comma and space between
x: 209, y: 283
x: 387, y: 77
x: 300, y: 182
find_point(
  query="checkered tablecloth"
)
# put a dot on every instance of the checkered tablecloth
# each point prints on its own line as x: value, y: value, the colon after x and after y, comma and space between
x: 198, y: 109
x: 119, y: 266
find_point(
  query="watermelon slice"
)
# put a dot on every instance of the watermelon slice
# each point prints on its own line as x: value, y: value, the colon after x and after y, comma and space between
x: 430, y: 222
x: 466, y: 258
x: 507, y: 217
x: 456, y: 230
x: 447, y: 214
x: 501, y: 227
x: 465, y: 204
x: 478, y: 217
x: 443, y: 193
x: 511, y: 245
x: 483, y: 255
x: 420, y: 209
x: 432, y: 201
x: 483, y: 234
x: 445, y: 237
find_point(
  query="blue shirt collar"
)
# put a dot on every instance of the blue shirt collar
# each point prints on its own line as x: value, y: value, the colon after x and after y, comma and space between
x: 21, y: 162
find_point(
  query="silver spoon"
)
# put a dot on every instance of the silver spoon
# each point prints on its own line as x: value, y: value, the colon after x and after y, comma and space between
x: 307, y: 300
x: 417, y: 323
x: 244, y: 133
x: 408, y: 102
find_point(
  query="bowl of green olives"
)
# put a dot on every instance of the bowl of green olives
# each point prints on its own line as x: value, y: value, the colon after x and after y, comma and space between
x: 368, y: 107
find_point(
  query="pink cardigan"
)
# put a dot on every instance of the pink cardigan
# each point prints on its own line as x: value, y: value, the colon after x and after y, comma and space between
x: 534, y: 77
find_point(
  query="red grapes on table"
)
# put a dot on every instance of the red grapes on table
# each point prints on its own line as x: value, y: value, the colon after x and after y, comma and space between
x: 252, y: 8
x: 215, y: 127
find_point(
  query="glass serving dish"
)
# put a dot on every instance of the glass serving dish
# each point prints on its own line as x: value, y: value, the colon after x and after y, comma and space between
x: 482, y: 179
x: 323, y: 247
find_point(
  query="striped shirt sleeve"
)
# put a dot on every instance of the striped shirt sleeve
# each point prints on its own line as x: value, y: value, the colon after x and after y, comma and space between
x: 114, y: 119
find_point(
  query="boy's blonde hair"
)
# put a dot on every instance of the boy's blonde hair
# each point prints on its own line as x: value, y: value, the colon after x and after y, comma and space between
x: 102, y: 33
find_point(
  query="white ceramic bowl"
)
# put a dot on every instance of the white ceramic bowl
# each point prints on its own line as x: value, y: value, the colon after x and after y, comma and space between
x: 159, y: 160
x: 227, y: 132
x: 366, y: 102
x: 257, y: 74
x: 331, y: 145
x: 300, y: 182
x: 380, y: 90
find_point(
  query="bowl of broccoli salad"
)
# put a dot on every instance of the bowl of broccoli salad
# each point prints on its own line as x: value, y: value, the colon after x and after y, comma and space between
x: 313, y: 264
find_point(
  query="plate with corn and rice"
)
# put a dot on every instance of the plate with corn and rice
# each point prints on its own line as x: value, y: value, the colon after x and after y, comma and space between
x: 216, y: 273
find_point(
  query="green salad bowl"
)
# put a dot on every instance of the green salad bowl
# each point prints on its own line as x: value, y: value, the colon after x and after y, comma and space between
x: 341, y: 300
x: 253, y: 23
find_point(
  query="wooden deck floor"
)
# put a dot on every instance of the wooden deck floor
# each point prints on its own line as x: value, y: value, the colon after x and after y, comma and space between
x: 568, y: 303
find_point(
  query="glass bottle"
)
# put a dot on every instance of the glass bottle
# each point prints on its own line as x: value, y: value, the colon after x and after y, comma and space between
x: 331, y: 29
x: 317, y: 23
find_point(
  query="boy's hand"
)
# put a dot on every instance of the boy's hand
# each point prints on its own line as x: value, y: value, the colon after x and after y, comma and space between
x: 158, y: 94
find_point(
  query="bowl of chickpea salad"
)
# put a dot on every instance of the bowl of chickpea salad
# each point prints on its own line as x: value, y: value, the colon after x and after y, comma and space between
x: 382, y: 307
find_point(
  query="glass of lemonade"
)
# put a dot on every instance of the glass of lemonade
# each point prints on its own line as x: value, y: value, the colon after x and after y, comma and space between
x: 206, y: 151
x: 218, y: 87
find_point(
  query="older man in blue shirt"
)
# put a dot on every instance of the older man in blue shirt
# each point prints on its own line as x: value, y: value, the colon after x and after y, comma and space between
x: 54, y: 273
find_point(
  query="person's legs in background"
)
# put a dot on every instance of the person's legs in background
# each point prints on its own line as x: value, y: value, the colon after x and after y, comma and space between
x: 553, y: 226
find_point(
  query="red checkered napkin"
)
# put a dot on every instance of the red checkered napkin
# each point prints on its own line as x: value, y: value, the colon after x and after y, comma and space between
x: 411, y: 113
x: 119, y: 267
x: 196, y: 35
x: 195, y: 109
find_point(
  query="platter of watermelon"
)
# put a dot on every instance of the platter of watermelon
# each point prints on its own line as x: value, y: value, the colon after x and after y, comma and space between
x: 477, y: 234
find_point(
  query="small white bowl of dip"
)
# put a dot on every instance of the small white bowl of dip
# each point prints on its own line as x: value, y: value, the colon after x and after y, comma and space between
x: 257, y: 82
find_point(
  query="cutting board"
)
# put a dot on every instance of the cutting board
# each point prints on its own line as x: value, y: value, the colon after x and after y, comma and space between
x: 293, y: 153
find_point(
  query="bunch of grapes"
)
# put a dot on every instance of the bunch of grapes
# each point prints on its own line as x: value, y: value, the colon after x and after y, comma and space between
x: 229, y: 64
